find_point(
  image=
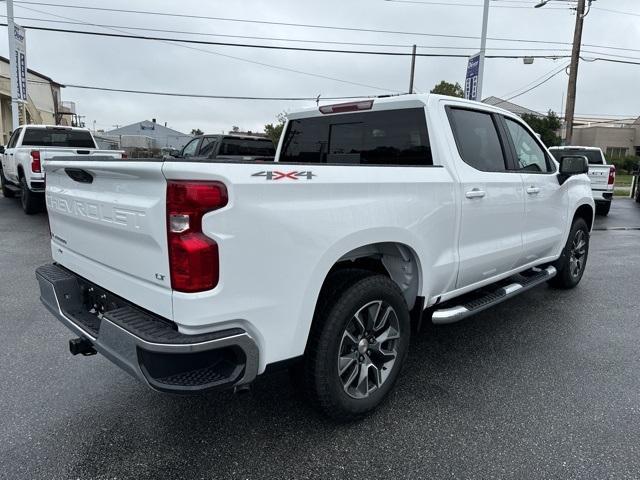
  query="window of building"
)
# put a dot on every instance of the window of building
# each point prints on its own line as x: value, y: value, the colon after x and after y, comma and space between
x: 616, y: 152
x: 477, y: 139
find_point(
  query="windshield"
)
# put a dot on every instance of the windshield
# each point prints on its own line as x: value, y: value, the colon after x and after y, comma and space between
x: 247, y: 147
x: 594, y: 156
x: 50, y: 137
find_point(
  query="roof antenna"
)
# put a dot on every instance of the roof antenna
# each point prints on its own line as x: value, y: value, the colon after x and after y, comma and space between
x: 318, y: 99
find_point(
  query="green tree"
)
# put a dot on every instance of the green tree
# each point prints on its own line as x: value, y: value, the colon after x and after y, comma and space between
x: 446, y: 88
x: 196, y: 131
x: 547, y: 127
x: 274, y: 131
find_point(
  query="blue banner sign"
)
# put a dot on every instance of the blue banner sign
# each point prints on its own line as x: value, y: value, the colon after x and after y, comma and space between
x: 471, y: 80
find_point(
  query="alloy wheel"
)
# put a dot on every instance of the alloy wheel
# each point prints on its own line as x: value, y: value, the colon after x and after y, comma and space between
x: 577, y: 258
x: 368, y: 349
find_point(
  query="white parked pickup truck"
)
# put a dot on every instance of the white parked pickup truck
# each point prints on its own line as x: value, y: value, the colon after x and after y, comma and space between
x: 602, y: 175
x: 200, y: 275
x: 29, y: 147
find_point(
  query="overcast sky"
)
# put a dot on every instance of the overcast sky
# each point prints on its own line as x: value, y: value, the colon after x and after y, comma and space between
x: 603, y: 88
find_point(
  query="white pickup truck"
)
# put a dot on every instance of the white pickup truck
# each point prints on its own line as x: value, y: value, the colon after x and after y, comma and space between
x: 602, y: 175
x: 29, y: 147
x: 193, y: 276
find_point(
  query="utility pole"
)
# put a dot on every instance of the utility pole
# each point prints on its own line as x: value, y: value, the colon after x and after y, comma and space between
x: 483, y: 48
x: 13, y: 67
x: 413, y: 69
x: 573, y: 72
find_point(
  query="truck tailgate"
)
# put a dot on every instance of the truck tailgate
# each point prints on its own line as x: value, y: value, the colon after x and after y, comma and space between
x: 599, y: 176
x: 107, y: 221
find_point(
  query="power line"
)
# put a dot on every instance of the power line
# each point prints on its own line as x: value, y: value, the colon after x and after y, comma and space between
x: 304, y: 49
x: 317, y: 98
x: 448, y: 4
x: 536, y: 85
x: 268, y: 47
x: 287, y: 24
x: 245, y: 60
x: 478, y: 5
x: 303, y: 25
x: 616, y: 11
x: 200, y: 95
x: 218, y: 97
x: 277, y: 39
x: 550, y: 72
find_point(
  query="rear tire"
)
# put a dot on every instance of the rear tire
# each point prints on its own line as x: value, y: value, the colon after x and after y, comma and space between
x: 572, y: 262
x: 357, y: 345
x: 30, y: 201
x: 603, y: 209
x: 6, y: 192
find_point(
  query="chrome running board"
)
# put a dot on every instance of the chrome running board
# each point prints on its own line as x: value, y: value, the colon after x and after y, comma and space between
x: 458, y: 312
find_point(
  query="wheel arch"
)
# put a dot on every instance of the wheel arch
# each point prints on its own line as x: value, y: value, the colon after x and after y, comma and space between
x: 395, y: 260
x: 587, y: 213
x: 393, y: 255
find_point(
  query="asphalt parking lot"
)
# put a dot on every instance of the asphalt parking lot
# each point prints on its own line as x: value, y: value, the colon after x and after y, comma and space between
x: 546, y: 385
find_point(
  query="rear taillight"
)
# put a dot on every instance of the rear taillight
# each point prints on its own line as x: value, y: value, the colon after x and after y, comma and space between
x: 35, y: 161
x: 193, y: 257
x: 612, y: 175
x: 124, y: 156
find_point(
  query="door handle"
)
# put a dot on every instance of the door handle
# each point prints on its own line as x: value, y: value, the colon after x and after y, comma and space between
x: 475, y: 193
x: 533, y: 190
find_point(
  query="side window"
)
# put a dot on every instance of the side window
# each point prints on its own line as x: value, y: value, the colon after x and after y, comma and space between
x: 208, y: 146
x: 14, y: 138
x: 190, y: 149
x: 477, y: 139
x: 530, y: 155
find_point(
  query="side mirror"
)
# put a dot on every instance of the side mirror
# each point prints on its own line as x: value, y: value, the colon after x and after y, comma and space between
x: 1, y: 148
x: 572, y: 165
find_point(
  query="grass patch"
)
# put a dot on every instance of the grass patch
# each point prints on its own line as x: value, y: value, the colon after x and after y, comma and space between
x: 623, y: 180
x: 620, y: 192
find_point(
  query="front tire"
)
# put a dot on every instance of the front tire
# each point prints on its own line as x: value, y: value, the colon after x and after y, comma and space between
x: 572, y: 262
x: 30, y: 201
x: 357, y: 347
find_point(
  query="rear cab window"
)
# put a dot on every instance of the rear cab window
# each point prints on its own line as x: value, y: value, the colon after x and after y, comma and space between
x: 594, y: 156
x: 54, y: 137
x: 386, y: 137
x: 247, y: 147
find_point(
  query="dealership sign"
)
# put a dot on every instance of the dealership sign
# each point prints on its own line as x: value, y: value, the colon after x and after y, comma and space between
x: 471, y: 80
x: 20, y: 62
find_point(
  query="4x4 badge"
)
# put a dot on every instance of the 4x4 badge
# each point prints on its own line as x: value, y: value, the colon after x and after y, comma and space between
x: 276, y: 175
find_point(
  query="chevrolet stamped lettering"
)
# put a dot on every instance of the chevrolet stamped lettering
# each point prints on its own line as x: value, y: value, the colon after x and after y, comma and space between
x: 126, y: 217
